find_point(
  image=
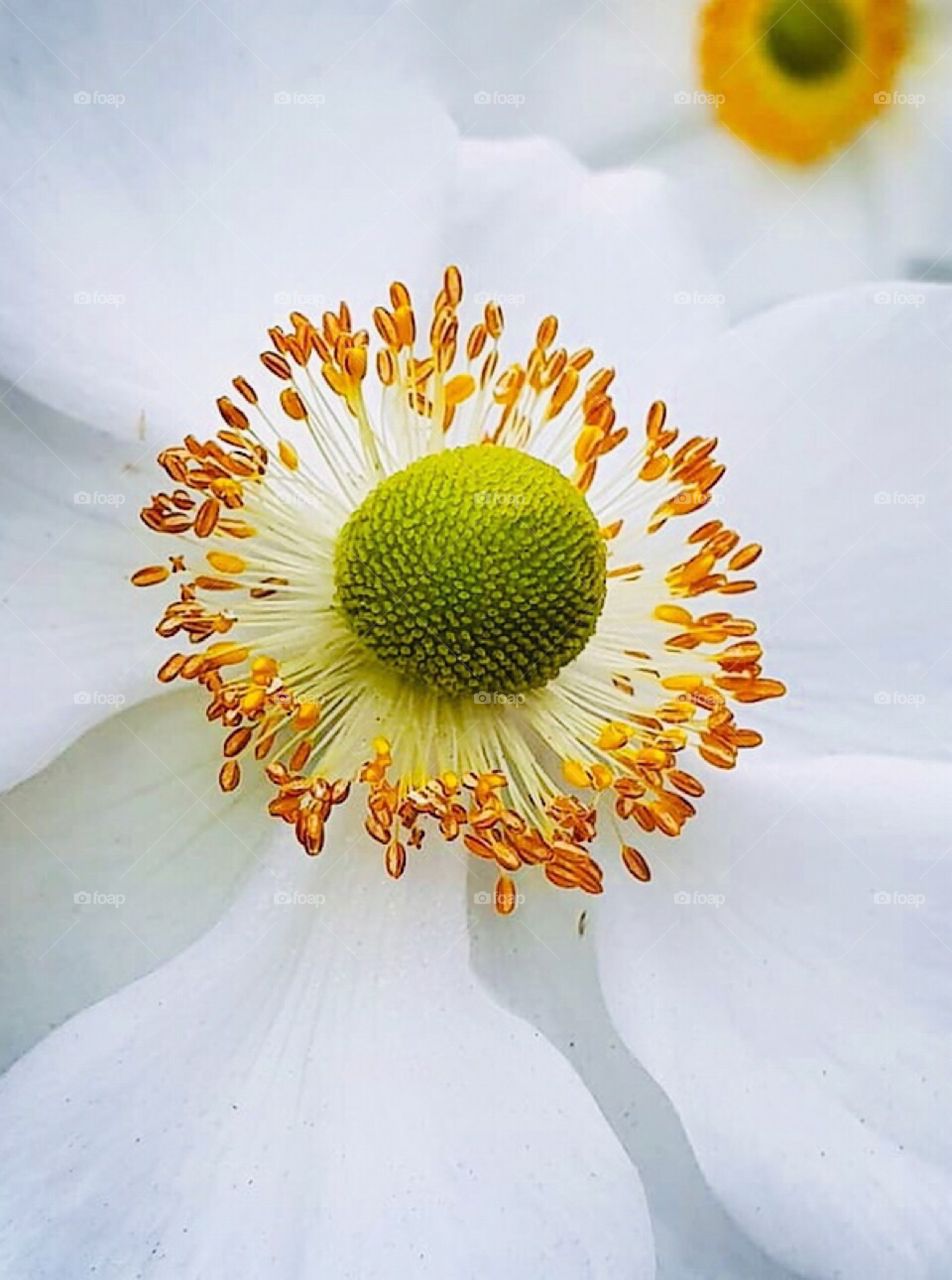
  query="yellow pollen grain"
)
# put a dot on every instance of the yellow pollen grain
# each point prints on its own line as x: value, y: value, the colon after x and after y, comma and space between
x: 253, y: 701
x: 687, y: 683
x: 613, y: 736
x: 307, y: 715
x: 602, y: 777
x: 459, y: 388
x: 150, y: 575
x: 288, y: 455
x: 575, y: 774
x: 225, y: 562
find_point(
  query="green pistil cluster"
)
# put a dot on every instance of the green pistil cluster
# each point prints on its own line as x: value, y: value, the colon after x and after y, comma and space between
x: 474, y: 570
x: 809, y: 39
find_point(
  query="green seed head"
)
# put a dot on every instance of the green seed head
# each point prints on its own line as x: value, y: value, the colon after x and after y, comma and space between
x: 473, y: 570
x: 809, y: 41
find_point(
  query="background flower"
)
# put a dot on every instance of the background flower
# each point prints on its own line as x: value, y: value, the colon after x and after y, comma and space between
x: 624, y: 83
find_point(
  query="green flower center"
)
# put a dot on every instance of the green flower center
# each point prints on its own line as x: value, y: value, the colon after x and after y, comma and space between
x: 809, y: 39
x: 478, y: 570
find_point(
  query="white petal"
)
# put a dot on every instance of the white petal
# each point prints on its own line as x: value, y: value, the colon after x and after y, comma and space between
x: 621, y: 85
x: 115, y: 858
x: 785, y: 978
x: 603, y: 79
x: 608, y: 253
x: 913, y: 136
x: 213, y: 174
x: 77, y: 639
x: 540, y: 962
x: 833, y: 420
x: 318, y: 1087
x: 771, y: 231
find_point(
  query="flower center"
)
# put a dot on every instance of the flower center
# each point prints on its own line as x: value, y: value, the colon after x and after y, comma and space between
x: 474, y: 570
x: 809, y: 41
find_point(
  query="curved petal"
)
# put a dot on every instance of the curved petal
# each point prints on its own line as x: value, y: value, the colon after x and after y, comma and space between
x: 607, y: 252
x: 178, y: 184
x: 77, y: 639
x: 916, y: 132
x: 540, y: 962
x: 833, y: 419
x: 319, y: 1086
x: 770, y: 231
x: 116, y: 857
x: 785, y: 978
x: 620, y: 85
x: 606, y: 80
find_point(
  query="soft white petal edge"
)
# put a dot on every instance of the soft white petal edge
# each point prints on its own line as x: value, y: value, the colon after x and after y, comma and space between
x: 318, y: 1087
x: 147, y: 244
x: 832, y: 414
x: 611, y: 253
x: 785, y: 978
x: 115, y: 858
x: 77, y: 642
x: 541, y: 963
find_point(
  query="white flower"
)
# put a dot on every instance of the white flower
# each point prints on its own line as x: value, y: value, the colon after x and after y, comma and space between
x: 810, y: 139
x: 309, y: 1076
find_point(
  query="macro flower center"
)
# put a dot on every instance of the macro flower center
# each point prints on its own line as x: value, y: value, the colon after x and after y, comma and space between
x: 366, y: 593
x: 476, y: 570
x: 811, y: 40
